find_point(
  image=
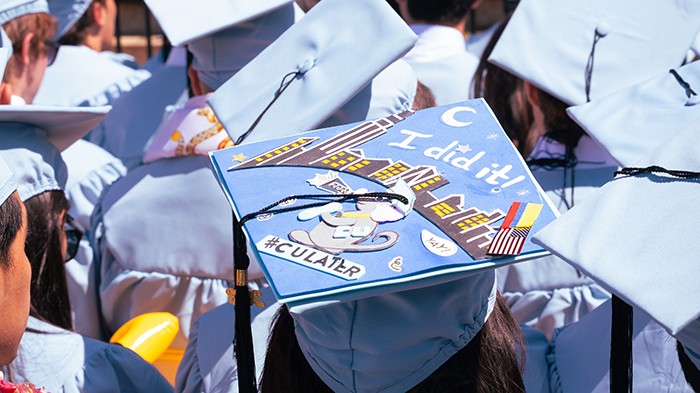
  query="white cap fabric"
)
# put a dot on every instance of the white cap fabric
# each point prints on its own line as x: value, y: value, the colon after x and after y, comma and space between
x: 219, y: 56
x: 550, y: 43
x: 632, y: 122
x: 322, y: 61
x: 636, y: 236
x: 378, y: 344
x: 184, y: 21
x: 62, y: 126
x: 67, y: 14
x: 8, y: 184
x: 11, y: 9
x: 36, y: 163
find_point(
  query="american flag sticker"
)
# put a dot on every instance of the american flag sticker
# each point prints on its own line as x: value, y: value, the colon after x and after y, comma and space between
x: 510, y: 238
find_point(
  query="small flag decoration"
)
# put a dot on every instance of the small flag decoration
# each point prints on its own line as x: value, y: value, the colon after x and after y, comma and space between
x: 509, y: 239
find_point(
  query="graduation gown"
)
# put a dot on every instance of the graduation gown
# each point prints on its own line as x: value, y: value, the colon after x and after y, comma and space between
x: 547, y: 292
x: 81, y: 76
x: 442, y: 63
x: 90, y: 171
x: 62, y: 362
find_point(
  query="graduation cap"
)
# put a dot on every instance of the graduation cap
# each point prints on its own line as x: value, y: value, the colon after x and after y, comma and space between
x: 632, y: 122
x: 34, y: 136
x: 372, y: 210
x: 8, y: 184
x: 578, y: 51
x: 67, y: 14
x: 222, y: 35
x: 635, y: 237
x: 11, y: 9
x: 311, y: 70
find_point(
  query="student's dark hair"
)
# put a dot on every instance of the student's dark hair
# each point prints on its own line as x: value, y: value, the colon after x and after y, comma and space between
x: 489, y: 363
x: 424, y: 98
x: 439, y: 11
x: 505, y: 95
x: 76, y: 35
x: 558, y: 124
x: 10, y: 224
x: 691, y: 372
x: 49, y: 289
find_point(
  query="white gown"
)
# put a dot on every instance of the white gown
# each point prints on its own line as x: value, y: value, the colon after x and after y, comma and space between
x: 81, y: 76
x: 65, y: 362
x: 580, y: 356
x: 442, y: 63
x: 547, y: 293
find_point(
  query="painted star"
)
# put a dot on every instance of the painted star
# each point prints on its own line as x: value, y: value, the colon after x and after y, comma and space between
x: 464, y: 148
x: 523, y: 192
x: 239, y: 158
x: 492, y: 136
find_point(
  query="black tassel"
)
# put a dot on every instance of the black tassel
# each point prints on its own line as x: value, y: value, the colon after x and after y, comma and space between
x: 243, y: 339
x: 621, y: 347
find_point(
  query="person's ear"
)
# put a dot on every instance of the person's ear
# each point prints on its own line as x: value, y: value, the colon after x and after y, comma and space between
x: 532, y: 93
x: 194, y: 81
x: 5, y: 93
x: 26, y: 54
x: 99, y: 13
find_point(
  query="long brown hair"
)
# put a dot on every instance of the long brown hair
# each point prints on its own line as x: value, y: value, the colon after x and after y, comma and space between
x: 49, y: 291
x: 505, y: 94
x: 489, y: 363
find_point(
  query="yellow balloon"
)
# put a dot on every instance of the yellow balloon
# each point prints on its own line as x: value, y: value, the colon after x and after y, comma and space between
x: 149, y: 335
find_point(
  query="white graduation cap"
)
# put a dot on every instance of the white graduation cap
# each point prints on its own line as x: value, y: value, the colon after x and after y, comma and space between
x: 67, y: 14
x: 32, y: 137
x: 11, y: 9
x: 632, y: 122
x: 184, y: 21
x: 222, y: 35
x: 312, y: 69
x: 636, y: 236
x: 8, y: 184
x: 575, y: 50
x: 62, y: 126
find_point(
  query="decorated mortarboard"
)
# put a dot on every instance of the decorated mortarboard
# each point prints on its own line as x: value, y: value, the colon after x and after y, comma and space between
x: 311, y: 70
x: 579, y: 51
x: 8, y: 184
x: 67, y: 14
x: 461, y: 184
x: 397, y: 203
x: 11, y: 9
x: 635, y: 236
x: 632, y: 122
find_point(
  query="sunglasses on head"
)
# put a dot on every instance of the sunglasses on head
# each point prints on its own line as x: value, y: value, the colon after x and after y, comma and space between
x: 73, y: 236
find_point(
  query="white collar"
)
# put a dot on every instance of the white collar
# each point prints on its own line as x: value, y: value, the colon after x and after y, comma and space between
x: 17, y: 100
x: 435, y: 42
